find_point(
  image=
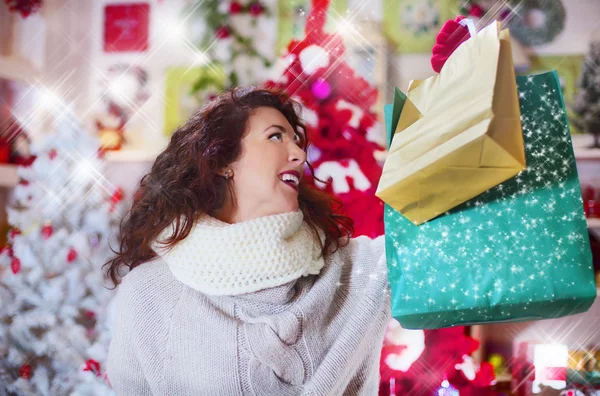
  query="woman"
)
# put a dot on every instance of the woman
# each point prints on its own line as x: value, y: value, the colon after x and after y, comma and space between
x: 242, y: 279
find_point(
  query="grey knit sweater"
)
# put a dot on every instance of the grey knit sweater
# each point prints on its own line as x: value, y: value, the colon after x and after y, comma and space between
x: 317, y: 335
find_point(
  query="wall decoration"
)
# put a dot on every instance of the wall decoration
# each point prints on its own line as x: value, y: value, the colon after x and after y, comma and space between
x: 369, y: 58
x: 180, y: 82
x: 538, y: 22
x: 126, y: 27
x: 24, y: 7
x: 124, y: 91
x: 239, y: 38
x: 292, y: 19
x: 568, y: 69
x: 413, y: 24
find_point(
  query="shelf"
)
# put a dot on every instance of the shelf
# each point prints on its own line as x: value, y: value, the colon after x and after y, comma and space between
x: 16, y: 69
x: 506, y: 377
x: 130, y: 156
x: 8, y: 175
x: 580, y: 144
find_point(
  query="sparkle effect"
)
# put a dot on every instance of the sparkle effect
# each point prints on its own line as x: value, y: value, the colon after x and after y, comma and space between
x: 518, y: 251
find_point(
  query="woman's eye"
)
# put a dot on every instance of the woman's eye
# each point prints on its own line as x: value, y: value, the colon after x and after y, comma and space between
x: 299, y: 139
x: 277, y: 135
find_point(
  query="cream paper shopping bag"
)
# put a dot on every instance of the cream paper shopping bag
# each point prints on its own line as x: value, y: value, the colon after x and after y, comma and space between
x: 459, y: 133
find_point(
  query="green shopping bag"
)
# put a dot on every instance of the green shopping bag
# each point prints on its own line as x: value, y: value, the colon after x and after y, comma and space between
x: 519, y: 251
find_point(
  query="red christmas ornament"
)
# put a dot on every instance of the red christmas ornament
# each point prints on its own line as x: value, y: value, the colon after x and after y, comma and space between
x: 90, y: 314
x: 23, y: 182
x: 47, y: 231
x: 223, y: 32
x: 115, y: 199
x: 12, y: 234
x: 476, y: 11
x: 235, y: 7
x: 15, y: 265
x: 25, y: 371
x: 447, y: 41
x: 256, y: 9
x: 72, y: 255
x: 24, y: 7
x: 117, y: 196
x: 52, y: 154
x: 93, y: 366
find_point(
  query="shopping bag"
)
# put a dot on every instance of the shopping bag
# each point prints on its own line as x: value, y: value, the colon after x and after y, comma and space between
x: 519, y: 251
x: 460, y: 133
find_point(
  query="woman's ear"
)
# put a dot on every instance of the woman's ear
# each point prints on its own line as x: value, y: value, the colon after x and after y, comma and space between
x: 226, y: 172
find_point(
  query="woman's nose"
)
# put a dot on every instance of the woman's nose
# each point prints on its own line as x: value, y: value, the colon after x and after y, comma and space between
x: 297, y: 154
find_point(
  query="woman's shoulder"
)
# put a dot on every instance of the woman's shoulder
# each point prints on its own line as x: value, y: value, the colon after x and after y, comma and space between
x: 149, y: 282
x: 360, y: 256
x: 362, y: 247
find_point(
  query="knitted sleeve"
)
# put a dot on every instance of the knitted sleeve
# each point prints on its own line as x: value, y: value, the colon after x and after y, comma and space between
x: 366, y: 267
x: 366, y: 256
x: 137, y: 351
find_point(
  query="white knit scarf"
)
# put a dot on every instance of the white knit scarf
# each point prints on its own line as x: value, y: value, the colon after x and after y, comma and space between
x: 218, y: 258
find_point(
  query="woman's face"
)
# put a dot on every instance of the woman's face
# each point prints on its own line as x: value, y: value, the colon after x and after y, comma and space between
x: 267, y: 174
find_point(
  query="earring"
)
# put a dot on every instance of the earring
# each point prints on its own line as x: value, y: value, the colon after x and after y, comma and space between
x: 228, y: 174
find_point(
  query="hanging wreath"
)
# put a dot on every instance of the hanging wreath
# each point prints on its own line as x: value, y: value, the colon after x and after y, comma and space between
x: 24, y: 7
x: 538, y: 22
x: 532, y: 22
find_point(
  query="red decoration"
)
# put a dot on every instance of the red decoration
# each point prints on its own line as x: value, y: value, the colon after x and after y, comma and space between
x: 256, y: 9
x: 93, y: 366
x: 115, y: 199
x: 12, y: 234
x: 344, y: 118
x: 117, y: 196
x: 24, y: 7
x: 15, y: 265
x: 235, y: 7
x: 90, y: 314
x: 25, y: 371
x: 447, y: 41
x: 47, y: 231
x: 444, y: 349
x: 52, y: 154
x: 223, y: 32
x: 476, y: 11
x: 5, y: 148
x: 126, y: 27
x: 72, y: 255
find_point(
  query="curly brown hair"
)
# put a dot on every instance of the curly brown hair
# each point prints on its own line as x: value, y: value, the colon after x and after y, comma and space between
x: 183, y: 182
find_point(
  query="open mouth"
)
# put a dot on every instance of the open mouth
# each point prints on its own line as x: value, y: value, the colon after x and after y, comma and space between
x: 291, y: 178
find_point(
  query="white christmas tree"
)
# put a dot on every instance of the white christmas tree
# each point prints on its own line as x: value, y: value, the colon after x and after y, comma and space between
x: 55, y: 311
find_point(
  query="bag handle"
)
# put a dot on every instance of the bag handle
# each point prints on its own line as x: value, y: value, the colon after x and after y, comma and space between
x: 468, y: 23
